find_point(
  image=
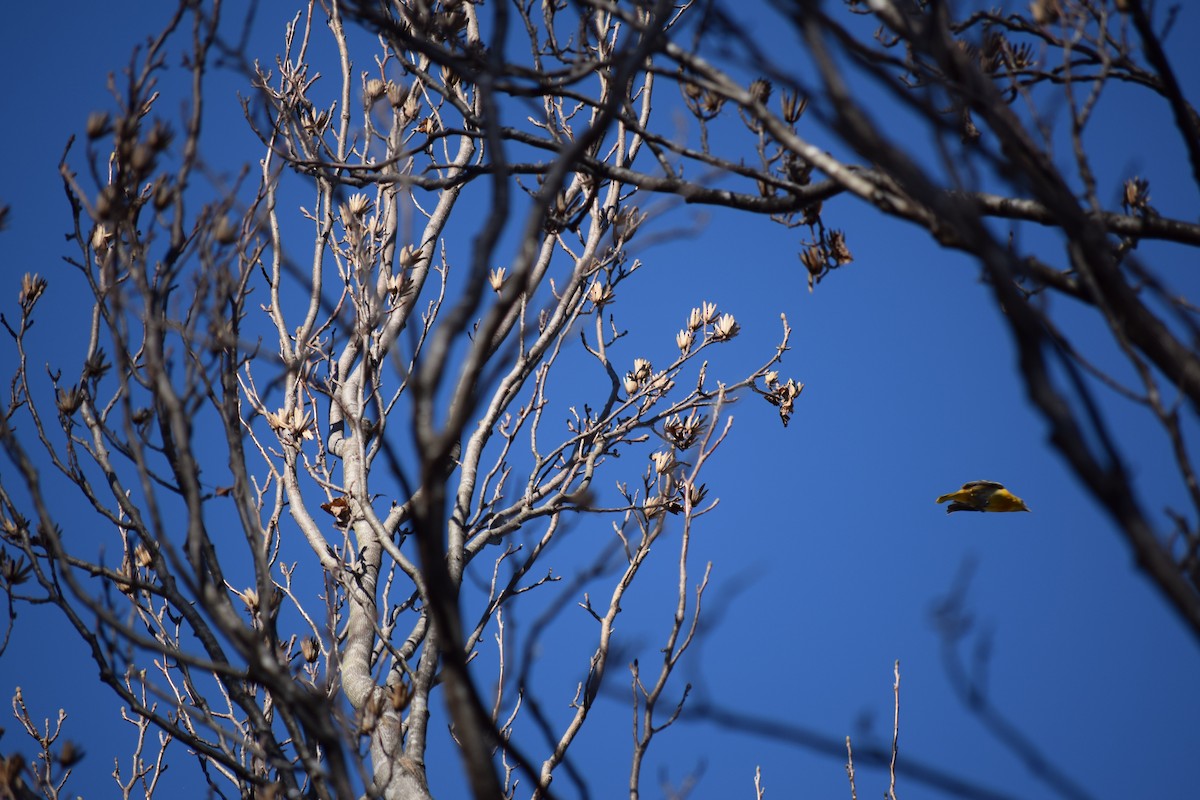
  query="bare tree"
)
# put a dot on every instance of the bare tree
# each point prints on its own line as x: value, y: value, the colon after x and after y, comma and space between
x: 391, y: 360
x: 405, y: 425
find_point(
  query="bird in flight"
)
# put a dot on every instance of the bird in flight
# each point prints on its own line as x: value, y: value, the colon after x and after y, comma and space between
x: 983, y: 496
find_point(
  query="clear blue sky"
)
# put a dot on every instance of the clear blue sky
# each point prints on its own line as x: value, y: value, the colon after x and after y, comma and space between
x: 828, y: 549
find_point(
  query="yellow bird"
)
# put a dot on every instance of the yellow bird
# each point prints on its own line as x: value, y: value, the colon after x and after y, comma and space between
x: 983, y: 496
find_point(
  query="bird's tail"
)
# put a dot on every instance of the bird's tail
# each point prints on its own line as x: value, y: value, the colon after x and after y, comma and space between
x: 945, y: 497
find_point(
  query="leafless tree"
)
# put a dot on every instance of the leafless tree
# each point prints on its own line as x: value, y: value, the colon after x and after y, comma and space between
x: 390, y: 361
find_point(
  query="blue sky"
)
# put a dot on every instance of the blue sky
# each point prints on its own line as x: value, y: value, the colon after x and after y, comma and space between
x: 828, y: 549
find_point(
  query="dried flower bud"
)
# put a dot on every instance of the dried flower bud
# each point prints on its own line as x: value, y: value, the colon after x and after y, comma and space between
x: 320, y: 123
x: 396, y: 94
x: 142, y: 160
x: 102, y: 237
x: 1047, y: 12
x: 142, y: 555
x: 69, y: 400
x: 397, y: 285
x: 412, y: 105
x: 772, y: 378
x: 408, y: 256
x: 760, y: 90
x: 375, y: 89
x: 814, y: 261
x: 797, y: 169
x: 725, y: 328
x: 496, y: 279
x: 631, y: 384
x: 224, y: 231
x: 785, y: 397
x: 124, y: 585
x: 627, y: 222
x: 250, y: 598
x: 296, y: 424
x: 164, y: 195
x: 655, y: 506
x: 96, y: 365
x: 641, y: 369
x: 13, y: 571
x: 1137, y: 194
x: 684, y: 339
x: 399, y: 695
x: 660, y: 383
x: 601, y: 294
x: 838, y: 249
x: 109, y: 204
x: 310, y: 649
x: 97, y: 124
x: 664, y: 461
x: 32, y: 286
x: 358, y: 204
x: 712, y: 103
x: 159, y: 137
x: 684, y: 432
x: 793, y: 107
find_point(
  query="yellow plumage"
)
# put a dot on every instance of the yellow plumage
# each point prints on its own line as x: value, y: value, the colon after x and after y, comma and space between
x: 983, y: 496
